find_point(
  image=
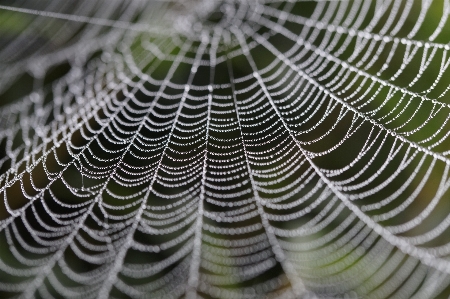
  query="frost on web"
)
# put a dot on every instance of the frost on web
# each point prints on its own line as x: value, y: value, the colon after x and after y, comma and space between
x: 224, y: 149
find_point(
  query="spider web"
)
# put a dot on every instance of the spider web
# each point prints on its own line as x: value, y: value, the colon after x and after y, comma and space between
x: 224, y: 149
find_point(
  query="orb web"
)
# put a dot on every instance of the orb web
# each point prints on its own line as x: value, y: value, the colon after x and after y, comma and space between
x: 224, y: 149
